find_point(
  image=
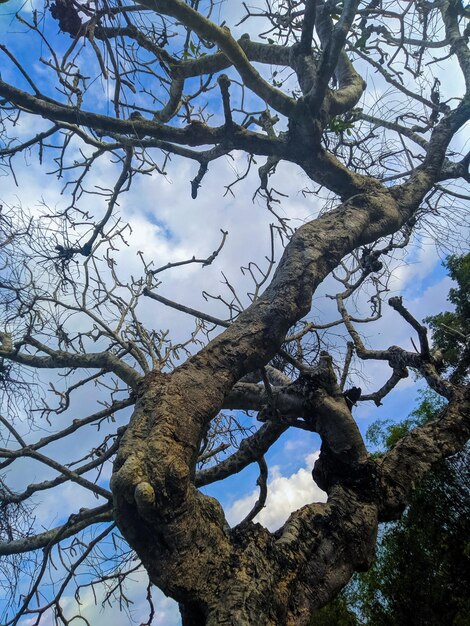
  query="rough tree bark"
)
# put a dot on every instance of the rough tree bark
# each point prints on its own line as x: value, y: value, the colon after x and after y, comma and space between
x: 247, y: 575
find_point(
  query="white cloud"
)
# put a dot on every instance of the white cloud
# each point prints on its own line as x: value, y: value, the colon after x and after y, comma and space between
x: 433, y: 299
x: 169, y: 226
x: 285, y: 495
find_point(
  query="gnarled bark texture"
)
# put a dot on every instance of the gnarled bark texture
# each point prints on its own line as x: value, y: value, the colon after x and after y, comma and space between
x: 248, y: 575
x: 242, y: 576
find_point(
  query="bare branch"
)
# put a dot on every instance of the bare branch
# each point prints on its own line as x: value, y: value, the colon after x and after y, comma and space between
x: 75, y: 524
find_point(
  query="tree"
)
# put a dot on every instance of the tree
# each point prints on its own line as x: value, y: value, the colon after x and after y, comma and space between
x: 422, y: 570
x: 432, y: 559
x: 389, y: 167
x: 451, y: 329
x: 336, y: 613
x: 421, y: 573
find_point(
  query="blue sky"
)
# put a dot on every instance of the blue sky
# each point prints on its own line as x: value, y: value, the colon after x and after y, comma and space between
x: 169, y: 226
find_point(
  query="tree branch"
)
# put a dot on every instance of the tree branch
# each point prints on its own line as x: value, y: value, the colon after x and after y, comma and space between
x: 76, y: 523
x: 229, y: 46
x: 58, y: 358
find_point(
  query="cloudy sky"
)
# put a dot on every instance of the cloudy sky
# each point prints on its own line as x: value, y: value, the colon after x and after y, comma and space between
x: 168, y: 226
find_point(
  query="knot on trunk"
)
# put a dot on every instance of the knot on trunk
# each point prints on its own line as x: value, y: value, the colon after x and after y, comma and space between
x: 144, y: 497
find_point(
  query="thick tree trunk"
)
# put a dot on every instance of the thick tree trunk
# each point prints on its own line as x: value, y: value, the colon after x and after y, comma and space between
x: 247, y: 575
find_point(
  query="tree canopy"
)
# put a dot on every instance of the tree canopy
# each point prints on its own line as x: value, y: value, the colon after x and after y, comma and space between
x: 106, y: 99
x: 451, y: 329
x: 421, y: 573
x: 422, y: 570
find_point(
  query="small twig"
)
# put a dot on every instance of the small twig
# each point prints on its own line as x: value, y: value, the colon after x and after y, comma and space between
x: 263, y: 493
x: 292, y: 360
x: 347, y: 363
x: 13, y: 431
x: 196, y: 182
x: 224, y: 84
x: 204, y: 262
x: 210, y: 453
x: 186, y: 309
x: 391, y: 383
x: 267, y: 386
x: 397, y: 303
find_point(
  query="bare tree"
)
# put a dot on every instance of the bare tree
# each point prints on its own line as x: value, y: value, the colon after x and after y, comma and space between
x: 180, y: 85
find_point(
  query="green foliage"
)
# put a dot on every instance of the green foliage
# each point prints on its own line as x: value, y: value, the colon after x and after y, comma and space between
x: 385, y: 434
x: 193, y: 51
x: 421, y: 575
x: 451, y: 329
x: 339, y: 125
x: 335, y: 613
